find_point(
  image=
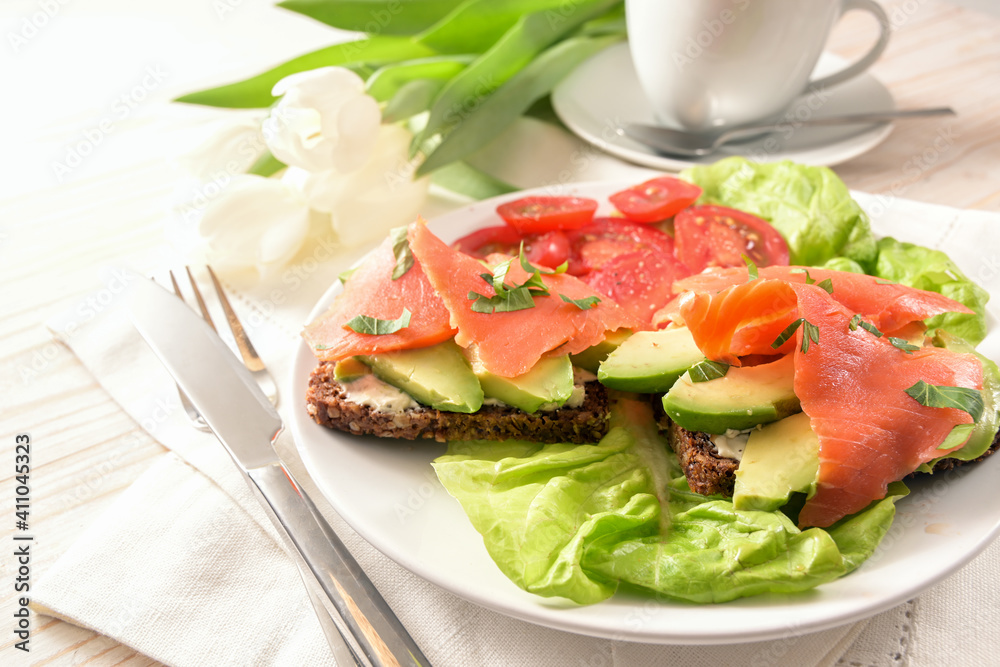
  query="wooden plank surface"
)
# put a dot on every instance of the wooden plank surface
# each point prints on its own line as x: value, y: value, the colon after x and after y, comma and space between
x: 88, y: 450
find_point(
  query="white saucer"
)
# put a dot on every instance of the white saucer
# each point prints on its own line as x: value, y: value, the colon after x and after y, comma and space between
x: 603, y: 94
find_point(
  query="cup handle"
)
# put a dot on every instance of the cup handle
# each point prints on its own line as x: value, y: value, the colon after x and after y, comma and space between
x: 869, y: 58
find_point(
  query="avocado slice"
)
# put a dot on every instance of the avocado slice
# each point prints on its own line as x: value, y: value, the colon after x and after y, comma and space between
x: 779, y: 459
x: 591, y: 358
x: 548, y: 381
x: 438, y: 376
x: 350, y: 369
x: 743, y: 398
x: 650, y: 361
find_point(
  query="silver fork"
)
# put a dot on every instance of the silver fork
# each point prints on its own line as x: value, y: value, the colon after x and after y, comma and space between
x: 250, y: 357
x: 343, y: 651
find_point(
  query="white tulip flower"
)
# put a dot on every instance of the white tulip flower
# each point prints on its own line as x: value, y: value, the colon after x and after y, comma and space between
x: 231, y: 144
x: 365, y: 204
x: 255, y: 222
x: 323, y: 121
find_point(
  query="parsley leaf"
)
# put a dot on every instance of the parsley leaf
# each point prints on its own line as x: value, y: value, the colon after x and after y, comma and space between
x: 826, y: 285
x: 582, y: 304
x: 401, y: 251
x: 517, y: 298
x: 346, y: 274
x: 708, y: 370
x: 364, y: 324
x: 751, y: 268
x: 509, y: 298
x: 810, y: 332
x: 943, y: 396
x: 903, y: 344
x: 856, y: 322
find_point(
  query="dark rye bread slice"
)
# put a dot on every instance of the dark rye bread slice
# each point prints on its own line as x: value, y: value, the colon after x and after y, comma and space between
x: 328, y: 405
x: 708, y: 473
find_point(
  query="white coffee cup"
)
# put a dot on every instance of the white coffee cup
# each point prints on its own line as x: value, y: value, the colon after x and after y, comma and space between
x: 707, y: 65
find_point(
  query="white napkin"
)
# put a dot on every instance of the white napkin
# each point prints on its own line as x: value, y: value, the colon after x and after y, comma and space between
x: 185, y: 568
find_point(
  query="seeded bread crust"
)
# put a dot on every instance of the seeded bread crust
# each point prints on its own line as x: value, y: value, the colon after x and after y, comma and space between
x: 708, y: 473
x: 328, y: 405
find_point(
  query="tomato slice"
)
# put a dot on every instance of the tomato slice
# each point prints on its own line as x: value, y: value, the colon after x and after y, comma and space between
x: 656, y: 199
x: 606, y: 238
x: 719, y: 236
x: 640, y: 281
x: 483, y: 242
x: 544, y: 214
x: 549, y: 249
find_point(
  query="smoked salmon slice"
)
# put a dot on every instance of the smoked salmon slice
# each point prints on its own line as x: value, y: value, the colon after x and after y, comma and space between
x: 371, y: 291
x: 851, y: 382
x: 852, y: 385
x: 740, y: 320
x: 887, y: 305
x: 511, y: 343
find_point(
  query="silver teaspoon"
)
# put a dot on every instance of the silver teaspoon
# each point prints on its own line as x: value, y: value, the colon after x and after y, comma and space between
x: 678, y: 142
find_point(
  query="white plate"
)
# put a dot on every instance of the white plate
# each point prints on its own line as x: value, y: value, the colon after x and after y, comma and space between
x: 387, y: 491
x: 603, y: 94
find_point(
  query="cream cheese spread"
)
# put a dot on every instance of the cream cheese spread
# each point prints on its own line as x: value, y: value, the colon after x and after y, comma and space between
x: 731, y: 443
x: 380, y: 396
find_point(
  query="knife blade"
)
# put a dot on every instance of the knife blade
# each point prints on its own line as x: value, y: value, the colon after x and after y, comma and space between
x: 246, y: 423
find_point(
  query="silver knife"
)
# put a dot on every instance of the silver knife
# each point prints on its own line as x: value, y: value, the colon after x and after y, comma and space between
x: 246, y: 423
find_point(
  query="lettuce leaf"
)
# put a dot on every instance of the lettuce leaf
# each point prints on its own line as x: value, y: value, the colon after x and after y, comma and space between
x: 578, y: 521
x: 540, y: 508
x: 923, y: 268
x: 810, y: 206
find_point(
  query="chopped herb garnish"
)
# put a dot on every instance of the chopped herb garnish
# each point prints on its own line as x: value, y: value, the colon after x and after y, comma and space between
x: 751, y: 268
x: 509, y: 298
x: 530, y: 268
x: 582, y: 304
x: 903, y: 344
x: 708, y: 370
x: 826, y: 285
x: 942, y: 396
x: 957, y: 435
x: 346, y: 274
x: 516, y: 298
x: 497, y: 277
x: 856, y: 322
x: 535, y: 285
x: 364, y: 324
x: 401, y: 251
x: 809, y: 330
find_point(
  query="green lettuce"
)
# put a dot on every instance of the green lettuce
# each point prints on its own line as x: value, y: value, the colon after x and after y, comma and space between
x: 985, y: 430
x: 923, y: 268
x: 810, y: 206
x: 578, y: 521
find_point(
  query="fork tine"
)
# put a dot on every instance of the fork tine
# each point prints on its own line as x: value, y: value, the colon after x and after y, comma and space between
x: 250, y: 357
x: 197, y: 295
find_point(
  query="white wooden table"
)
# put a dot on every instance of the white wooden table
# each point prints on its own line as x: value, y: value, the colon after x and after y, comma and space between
x: 110, y: 210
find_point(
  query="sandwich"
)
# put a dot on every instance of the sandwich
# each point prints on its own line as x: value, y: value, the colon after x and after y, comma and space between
x: 705, y: 433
